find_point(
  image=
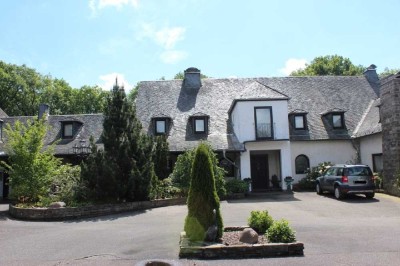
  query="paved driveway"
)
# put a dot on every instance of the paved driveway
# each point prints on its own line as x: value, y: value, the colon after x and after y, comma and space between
x: 355, y: 231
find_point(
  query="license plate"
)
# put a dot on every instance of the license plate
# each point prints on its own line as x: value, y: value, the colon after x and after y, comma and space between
x: 360, y: 182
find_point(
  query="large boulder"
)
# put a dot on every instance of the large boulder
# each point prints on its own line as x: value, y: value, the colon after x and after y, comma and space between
x: 248, y: 236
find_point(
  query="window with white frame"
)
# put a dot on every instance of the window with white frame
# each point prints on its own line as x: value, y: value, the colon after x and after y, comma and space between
x: 67, y: 130
x: 338, y: 121
x: 200, y: 124
x: 263, y: 122
x: 300, y: 121
x: 161, y: 126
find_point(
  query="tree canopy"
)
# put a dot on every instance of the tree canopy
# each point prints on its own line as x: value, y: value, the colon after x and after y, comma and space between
x: 387, y: 71
x: 22, y: 89
x: 330, y: 65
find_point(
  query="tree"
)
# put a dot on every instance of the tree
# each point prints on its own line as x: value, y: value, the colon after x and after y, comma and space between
x: 88, y: 100
x: 133, y: 94
x: 330, y: 65
x: 160, y: 157
x: 97, y: 182
x: 20, y: 87
x: 31, y: 168
x: 123, y: 171
x: 203, y: 198
x: 118, y: 127
x: 183, y: 168
x: 388, y: 72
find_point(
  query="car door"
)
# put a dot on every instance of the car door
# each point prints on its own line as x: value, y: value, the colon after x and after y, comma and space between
x: 330, y: 178
x: 322, y: 179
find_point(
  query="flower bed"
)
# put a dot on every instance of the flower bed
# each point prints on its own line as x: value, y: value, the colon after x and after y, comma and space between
x: 237, y: 250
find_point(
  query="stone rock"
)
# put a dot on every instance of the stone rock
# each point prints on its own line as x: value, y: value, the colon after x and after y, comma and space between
x: 57, y: 205
x: 248, y: 236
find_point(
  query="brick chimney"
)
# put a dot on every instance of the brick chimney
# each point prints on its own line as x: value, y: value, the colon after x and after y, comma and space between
x: 373, y: 78
x: 44, y: 110
x: 192, y: 79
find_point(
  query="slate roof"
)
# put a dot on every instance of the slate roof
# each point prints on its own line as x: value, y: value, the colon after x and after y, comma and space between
x: 370, y: 122
x: 2, y: 113
x: 89, y: 125
x: 311, y: 95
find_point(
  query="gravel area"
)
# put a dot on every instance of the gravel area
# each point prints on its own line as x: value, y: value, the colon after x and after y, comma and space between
x: 232, y: 239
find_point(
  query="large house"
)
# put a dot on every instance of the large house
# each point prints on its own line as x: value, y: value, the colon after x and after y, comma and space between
x: 268, y: 128
x: 262, y: 128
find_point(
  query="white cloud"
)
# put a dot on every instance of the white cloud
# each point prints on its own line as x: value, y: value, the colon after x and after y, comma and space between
x: 96, y: 5
x: 166, y: 37
x: 172, y: 56
x: 109, y: 81
x: 293, y: 64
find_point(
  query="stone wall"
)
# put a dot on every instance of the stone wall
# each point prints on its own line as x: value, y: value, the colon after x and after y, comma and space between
x: 47, y: 214
x: 390, y: 120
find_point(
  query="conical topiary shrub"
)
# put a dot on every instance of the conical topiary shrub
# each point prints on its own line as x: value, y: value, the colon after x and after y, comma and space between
x: 202, y: 198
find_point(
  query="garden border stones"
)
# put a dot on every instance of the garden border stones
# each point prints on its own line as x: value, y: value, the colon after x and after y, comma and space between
x: 52, y: 214
x: 220, y: 251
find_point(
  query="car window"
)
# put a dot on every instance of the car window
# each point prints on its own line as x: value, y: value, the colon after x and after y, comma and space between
x: 339, y: 171
x: 330, y: 171
x: 359, y: 171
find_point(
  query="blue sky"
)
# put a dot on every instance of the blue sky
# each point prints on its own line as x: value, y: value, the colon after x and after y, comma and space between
x: 88, y: 42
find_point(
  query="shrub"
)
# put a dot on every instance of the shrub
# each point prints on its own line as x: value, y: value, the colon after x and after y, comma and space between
x: 183, y: 167
x: 164, y: 189
x: 236, y: 186
x: 203, y: 198
x: 181, y: 175
x: 260, y: 221
x: 281, y: 232
x: 378, y: 180
x: 66, y: 184
x: 308, y: 182
x: 32, y: 167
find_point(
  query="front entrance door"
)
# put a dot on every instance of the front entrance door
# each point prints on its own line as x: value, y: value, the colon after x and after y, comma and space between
x: 259, y: 171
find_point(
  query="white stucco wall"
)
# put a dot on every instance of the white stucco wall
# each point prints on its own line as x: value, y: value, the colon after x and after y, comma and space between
x: 369, y: 145
x: 244, y: 124
x: 334, y: 151
x: 273, y: 161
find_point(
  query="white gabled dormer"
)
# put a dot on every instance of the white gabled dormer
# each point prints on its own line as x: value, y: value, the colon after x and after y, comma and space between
x: 260, y: 113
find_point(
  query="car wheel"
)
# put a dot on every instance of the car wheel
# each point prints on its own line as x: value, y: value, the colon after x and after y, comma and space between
x: 338, y: 193
x: 318, y: 189
x: 370, y: 195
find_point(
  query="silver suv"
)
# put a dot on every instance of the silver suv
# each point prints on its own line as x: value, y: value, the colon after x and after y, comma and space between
x: 342, y: 179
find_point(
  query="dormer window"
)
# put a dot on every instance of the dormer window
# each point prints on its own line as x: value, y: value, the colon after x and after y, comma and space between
x: 334, y: 118
x: 200, y: 125
x: 67, y: 130
x: 300, y: 121
x: 338, y: 120
x: 161, y: 125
